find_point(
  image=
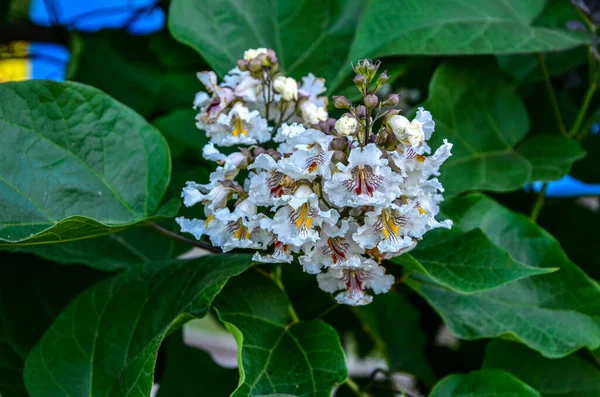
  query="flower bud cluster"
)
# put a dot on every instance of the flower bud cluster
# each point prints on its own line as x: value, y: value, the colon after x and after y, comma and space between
x: 335, y: 195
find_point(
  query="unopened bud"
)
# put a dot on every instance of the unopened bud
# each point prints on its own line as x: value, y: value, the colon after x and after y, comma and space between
x: 338, y: 143
x: 389, y: 114
x: 371, y: 101
x: 360, y: 112
x: 255, y: 65
x: 382, y: 79
x: 360, y: 81
x: 391, y: 100
x: 243, y: 64
x: 346, y: 126
x: 327, y: 125
x: 275, y: 154
x: 341, y: 102
x: 272, y: 56
x: 338, y: 157
x: 259, y: 150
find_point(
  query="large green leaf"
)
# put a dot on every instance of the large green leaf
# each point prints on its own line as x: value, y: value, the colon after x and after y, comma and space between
x: 309, y: 36
x: 554, y: 314
x: 485, y: 383
x: 470, y: 101
x: 551, y: 156
x: 105, y: 342
x: 32, y: 295
x: 75, y: 164
x: 112, y: 252
x: 455, y: 27
x: 394, y: 324
x: 467, y: 261
x: 303, y: 359
x: 572, y: 376
x: 190, y: 372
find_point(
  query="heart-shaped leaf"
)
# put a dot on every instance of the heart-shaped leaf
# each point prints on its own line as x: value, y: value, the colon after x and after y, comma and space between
x: 485, y: 383
x: 75, y: 164
x: 554, y: 314
x: 571, y: 376
x: 467, y: 261
x: 105, y: 342
x: 275, y: 356
x: 308, y: 36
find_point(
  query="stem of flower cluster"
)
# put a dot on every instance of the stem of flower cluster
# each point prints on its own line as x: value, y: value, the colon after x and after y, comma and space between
x: 355, y: 388
x: 276, y: 277
x: 178, y: 237
x: 584, y: 107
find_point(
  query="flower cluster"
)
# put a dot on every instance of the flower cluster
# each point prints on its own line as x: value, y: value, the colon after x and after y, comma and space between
x: 338, y: 195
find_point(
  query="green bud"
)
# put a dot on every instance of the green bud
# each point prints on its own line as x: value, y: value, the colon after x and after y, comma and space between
x: 382, y: 79
x: 341, y: 102
x: 391, y: 100
x: 371, y: 101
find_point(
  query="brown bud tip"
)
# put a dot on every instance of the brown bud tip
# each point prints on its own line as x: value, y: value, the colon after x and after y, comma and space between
x: 341, y: 102
x: 255, y: 65
x: 275, y: 154
x: 371, y: 101
x: 360, y: 112
x: 243, y: 64
x: 339, y: 143
x: 391, y: 100
x: 382, y: 79
x: 259, y: 150
x: 338, y: 157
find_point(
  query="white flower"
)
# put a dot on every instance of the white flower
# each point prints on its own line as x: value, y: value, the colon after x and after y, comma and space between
x: 211, y: 108
x: 391, y: 229
x: 238, y: 126
x: 243, y: 84
x: 311, y: 88
x: 408, y: 132
x: 268, y: 186
x: 295, y: 223
x: 366, y: 180
x: 312, y: 113
x: 253, y: 53
x: 346, y: 126
x: 355, y: 281
x: 240, y: 228
x: 282, y: 254
x: 287, y: 87
x: 214, y: 195
x: 308, y: 157
x: 334, y: 248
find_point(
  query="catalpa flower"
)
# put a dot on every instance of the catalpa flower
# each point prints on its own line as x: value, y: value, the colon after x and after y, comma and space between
x: 337, y: 196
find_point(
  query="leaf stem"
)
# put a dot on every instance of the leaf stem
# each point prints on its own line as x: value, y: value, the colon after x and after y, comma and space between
x: 539, y: 203
x: 584, y: 108
x: 355, y: 388
x: 176, y: 236
x: 327, y: 311
x: 551, y: 94
x: 276, y: 276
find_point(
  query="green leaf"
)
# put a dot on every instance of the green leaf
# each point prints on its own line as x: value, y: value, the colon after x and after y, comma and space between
x: 303, y: 359
x: 112, y: 252
x: 105, y: 342
x: 151, y: 74
x: 554, y: 314
x: 455, y: 27
x: 75, y: 164
x: 572, y: 376
x: 551, y: 156
x: 468, y: 262
x: 470, y: 101
x: 399, y: 336
x: 308, y: 36
x: 190, y: 371
x: 179, y: 128
x: 32, y: 294
x: 485, y: 383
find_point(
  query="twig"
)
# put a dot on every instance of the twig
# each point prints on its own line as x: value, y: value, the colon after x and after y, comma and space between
x: 355, y: 388
x: 176, y: 236
x: 553, y: 101
x: 539, y: 203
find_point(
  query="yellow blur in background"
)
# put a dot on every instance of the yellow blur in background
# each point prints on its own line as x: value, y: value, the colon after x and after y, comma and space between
x: 15, y: 64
